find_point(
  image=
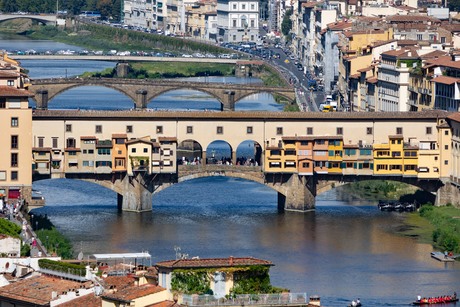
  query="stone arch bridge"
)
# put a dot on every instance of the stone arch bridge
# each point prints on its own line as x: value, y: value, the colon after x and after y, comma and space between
x: 295, y: 192
x: 42, y: 18
x: 142, y: 91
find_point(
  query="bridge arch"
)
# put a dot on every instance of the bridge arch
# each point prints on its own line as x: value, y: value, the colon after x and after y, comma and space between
x: 239, y: 98
x: 42, y: 20
x: 101, y: 96
x: 151, y: 99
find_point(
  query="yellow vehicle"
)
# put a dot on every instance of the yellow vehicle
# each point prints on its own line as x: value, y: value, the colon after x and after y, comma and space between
x: 328, y: 108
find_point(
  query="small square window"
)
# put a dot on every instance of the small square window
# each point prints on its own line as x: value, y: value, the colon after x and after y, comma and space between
x: 68, y: 128
x: 249, y: 129
x: 98, y: 129
x: 436, y: 158
x: 133, y: 150
x: 446, y: 147
x: 220, y: 130
x: 14, y: 122
x: 10, y: 82
x: 189, y: 129
x: 55, y: 142
x: 14, y: 175
x: 446, y: 162
x: 159, y: 129
x: 399, y: 130
x: 309, y: 130
x: 146, y: 150
x: 446, y: 132
x: 429, y: 130
x: 279, y: 130
x: 129, y: 129
x: 369, y: 130
x: 339, y: 131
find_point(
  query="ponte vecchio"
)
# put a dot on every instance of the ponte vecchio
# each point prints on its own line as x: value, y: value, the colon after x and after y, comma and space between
x: 138, y: 152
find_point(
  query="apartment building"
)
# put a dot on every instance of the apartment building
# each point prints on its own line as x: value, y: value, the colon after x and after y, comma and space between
x: 16, y: 132
x: 238, y: 21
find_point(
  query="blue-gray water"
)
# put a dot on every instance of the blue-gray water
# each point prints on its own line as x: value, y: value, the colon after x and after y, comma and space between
x: 341, y: 251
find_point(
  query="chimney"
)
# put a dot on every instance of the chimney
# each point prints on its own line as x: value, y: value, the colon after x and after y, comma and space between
x: 231, y: 260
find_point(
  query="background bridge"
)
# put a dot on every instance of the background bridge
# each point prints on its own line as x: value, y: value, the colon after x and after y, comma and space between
x: 43, y: 18
x: 143, y: 91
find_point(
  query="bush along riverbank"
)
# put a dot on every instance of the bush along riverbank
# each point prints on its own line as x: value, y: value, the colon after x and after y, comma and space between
x: 99, y: 37
x: 51, y: 238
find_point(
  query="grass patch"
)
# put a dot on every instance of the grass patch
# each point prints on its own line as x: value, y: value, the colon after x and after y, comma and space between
x: 185, y: 69
x: 380, y: 189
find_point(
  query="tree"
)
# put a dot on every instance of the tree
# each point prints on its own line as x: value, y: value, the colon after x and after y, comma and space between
x: 286, y: 25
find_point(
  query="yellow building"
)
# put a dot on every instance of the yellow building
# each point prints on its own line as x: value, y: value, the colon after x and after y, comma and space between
x: 15, y: 132
x: 335, y: 155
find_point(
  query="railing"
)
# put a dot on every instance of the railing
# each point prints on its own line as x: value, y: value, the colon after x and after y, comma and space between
x: 246, y: 299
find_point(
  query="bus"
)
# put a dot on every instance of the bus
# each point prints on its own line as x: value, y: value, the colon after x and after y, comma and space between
x: 90, y: 14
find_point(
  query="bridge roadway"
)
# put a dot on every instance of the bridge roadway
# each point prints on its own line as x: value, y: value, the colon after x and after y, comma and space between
x: 121, y: 58
x: 143, y: 91
x: 43, y: 18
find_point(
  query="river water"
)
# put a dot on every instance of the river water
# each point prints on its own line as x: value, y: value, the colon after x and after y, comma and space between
x: 341, y: 251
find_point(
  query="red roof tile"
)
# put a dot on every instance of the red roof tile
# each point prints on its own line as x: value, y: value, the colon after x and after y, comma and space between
x: 165, y: 304
x: 212, y: 262
x: 119, y: 136
x: 9, y: 91
x: 84, y: 301
x: 10, y: 73
x: 455, y: 117
x: 37, y: 290
x: 446, y: 80
x: 131, y: 293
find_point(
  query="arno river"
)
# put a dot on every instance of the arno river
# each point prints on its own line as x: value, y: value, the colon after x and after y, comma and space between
x: 341, y: 251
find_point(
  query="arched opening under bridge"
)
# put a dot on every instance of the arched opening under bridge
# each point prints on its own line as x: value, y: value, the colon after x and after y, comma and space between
x: 90, y: 98
x: 249, y: 153
x: 185, y: 100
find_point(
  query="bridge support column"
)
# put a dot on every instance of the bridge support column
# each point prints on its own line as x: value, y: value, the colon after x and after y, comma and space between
x: 295, y: 195
x: 41, y: 97
x: 229, y: 102
x: 137, y: 194
x: 203, y: 157
x: 141, y: 99
x: 448, y: 193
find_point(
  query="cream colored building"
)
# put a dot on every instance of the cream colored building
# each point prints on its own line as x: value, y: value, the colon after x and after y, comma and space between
x: 15, y: 132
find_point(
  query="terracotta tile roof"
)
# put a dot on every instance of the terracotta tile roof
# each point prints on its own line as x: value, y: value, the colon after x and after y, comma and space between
x: 455, y: 117
x: 350, y: 146
x: 339, y: 26
x: 411, y: 18
x: 446, y: 80
x: 444, y: 61
x: 89, y: 300
x: 311, y: 4
x: 402, y: 53
x: 36, y: 290
x: 167, y: 139
x: 139, y: 116
x: 138, y: 141
x: 329, y: 137
x: 434, y: 54
x: 119, y: 136
x: 381, y: 43
x: 372, y: 80
x: 10, y: 73
x: 118, y: 282
x: 72, y: 149
x: 87, y: 137
x: 352, y: 2
x: 407, y: 42
x: 42, y: 149
x: 9, y: 91
x: 297, y: 138
x: 368, y: 68
x: 131, y: 293
x: 212, y: 262
x: 452, y: 27
x: 396, y: 136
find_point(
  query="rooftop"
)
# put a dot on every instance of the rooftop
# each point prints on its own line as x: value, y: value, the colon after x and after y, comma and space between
x: 212, y: 262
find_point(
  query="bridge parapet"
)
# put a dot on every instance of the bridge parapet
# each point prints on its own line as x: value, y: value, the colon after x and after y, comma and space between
x: 188, y: 172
